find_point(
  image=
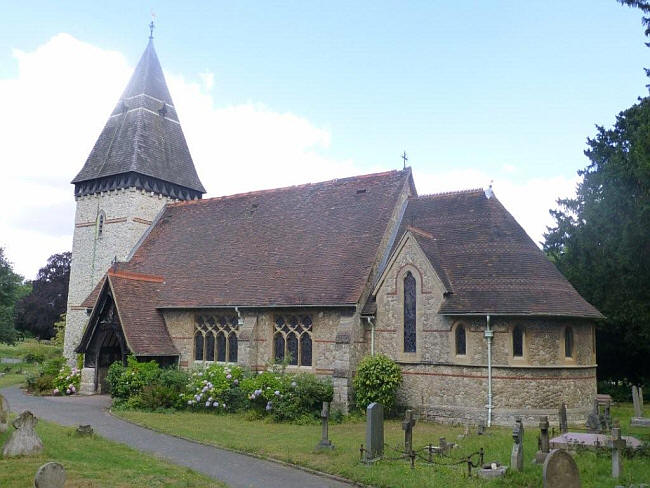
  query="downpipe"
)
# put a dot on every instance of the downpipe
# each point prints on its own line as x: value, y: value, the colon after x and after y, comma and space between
x: 372, y: 335
x: 489, y: 334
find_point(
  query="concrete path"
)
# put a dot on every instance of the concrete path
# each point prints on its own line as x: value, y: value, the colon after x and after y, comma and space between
x: 236, y: 470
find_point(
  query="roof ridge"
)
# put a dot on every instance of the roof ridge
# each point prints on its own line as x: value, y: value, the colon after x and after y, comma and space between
x: 283, y: 188
x: 449, y: 193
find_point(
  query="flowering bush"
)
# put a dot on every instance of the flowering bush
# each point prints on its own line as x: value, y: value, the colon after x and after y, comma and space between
x: 67, y: 381
x: 216, y: 388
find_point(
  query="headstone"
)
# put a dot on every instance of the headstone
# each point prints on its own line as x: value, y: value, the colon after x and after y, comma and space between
x: 560, y: 470
x: 593, y: 419
x: 636, y: 402
x: 480, y: 430
x: 84, y: 431
x: 4, y: 414
x: 640, y: 393
x: 407, y: 426
x: 444, y: 447
x: 564, y: 425
x: 491, y: 471
x: 374, y: 431
x: 637, y: 399
x: 517, y: 456
x: 544, y: 446
x: 23, y: 441
x: 325, y: 443
x: 50, y: 475
x: 618, y: 445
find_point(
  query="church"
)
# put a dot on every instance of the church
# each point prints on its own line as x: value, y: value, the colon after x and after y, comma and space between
x: 482, y: 324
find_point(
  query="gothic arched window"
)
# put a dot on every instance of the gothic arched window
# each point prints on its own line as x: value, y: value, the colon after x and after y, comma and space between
x: 292, y: 340
x: 215, y: 338
x: 409, y: 313
x: 568, y: 342
x: 198, y: 346
x: 517, y: 342
x: 461, y: 340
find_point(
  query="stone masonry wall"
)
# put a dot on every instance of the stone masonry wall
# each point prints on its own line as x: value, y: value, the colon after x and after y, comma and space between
x: 129, y: 213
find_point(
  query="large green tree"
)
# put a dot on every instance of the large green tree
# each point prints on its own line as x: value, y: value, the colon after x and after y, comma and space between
x: 10, y: 291
x: 601, y: 242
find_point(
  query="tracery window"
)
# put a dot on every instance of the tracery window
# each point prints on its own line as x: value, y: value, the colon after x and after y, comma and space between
x: 568, y: 342
x: 517, y: 342
x: 215, y: 338
x: 409, y: 313
x: 100, y: 223
x: 292, y: 339
x: 461, y: 340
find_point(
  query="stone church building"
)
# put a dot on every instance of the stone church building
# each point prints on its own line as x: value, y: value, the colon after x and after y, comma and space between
x: 450, y: 286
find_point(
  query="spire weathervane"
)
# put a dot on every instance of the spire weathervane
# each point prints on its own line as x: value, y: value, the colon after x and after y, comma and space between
x: 151, y: 28
x: 405, y: 159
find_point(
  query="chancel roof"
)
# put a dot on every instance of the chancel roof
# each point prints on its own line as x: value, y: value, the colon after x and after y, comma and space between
x: 142, y: 144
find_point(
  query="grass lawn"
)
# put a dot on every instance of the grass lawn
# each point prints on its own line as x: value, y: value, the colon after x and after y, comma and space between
x: 295, y: 444
x: 14, y: 374
x: 96, y: 462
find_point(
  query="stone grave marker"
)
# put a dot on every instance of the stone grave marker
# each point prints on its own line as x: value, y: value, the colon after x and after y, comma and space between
x: 544, y: 446
x: 564, y: 425
x: 593, y: 419
x: 636, y: 402
x: 560, y: 470
x: 23, y: 441
x: 407, y: 426
x: 4, y: 414
x: 517, y: 456
x: 374, y: 432
x: 618, y: 445
x: 325, y: 443
x: 637, y: 398
x: 639, y: 391
x: 50, y: 475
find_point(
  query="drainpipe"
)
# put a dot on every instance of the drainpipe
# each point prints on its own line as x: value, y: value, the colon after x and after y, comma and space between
x: 372, y: 335
x: 489, y: 333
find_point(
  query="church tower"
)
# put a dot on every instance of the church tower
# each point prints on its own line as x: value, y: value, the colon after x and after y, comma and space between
x: 139, y: 163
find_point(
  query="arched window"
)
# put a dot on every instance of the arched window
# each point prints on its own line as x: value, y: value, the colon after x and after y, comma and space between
x: 461, y: 340
x: 292, y: 339
x: 409, y: 313
x: 232, y: 348
x: 209, y: 346
x: 568, y: 342
x: 517, y: 342
x: 198, y: 346
x: 100, y: 223
x: 215, y: 338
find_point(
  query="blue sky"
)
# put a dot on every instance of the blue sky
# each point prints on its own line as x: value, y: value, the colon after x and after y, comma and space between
x: 503, y: 90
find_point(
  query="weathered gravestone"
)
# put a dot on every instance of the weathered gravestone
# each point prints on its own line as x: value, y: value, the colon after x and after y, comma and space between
x: 4, y: 415
x: 325, y: 443
x: 374, y: 432
x: 407, y: 426
x: 50, y: 475
x: 84, y: 431
x: 618, y: 445
x: 564, y: 425
x: 593, y: 419
x: 636, y: 402
x: 637, y: 399
x: 540, y: 455
x: 23, y: 441
x: 560, y: 470
x: 517, y: 456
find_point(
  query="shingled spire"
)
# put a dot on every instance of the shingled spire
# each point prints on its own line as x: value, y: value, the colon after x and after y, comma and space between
x: 142, y: 144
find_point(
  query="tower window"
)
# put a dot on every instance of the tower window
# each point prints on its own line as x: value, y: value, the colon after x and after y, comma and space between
x: 409, y: 313
x: 568, y: 342
x: 100, y: 223
x: 461, y: 340
x: 517, y: 342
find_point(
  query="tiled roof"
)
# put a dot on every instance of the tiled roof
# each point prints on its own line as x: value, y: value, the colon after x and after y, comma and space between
x: 486, y: 259
x: 312, y: 244
x: 143, y: 134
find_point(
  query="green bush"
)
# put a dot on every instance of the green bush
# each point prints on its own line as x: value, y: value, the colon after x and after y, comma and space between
x: 377, y: 380
x: 44, y: 382
x: 130, y: 381
x: 214, y: 387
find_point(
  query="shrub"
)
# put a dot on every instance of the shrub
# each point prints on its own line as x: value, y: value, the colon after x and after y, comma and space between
x: 377, y: 380
x: 130, y: 381
x: 66, y: 381
x: 45, y: 381
x: 214, y: 388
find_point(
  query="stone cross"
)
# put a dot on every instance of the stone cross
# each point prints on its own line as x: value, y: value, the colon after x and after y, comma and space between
x: 560, y: 470
x: 374, y: 431
x: 618, y: 445
x: 564, y: 425
x: 517, y: 456
x: 544, y: 446
x: 50, y: 475
x: 407, y: 426
x: 4, y: 415
x: 23, y: 441
x: 325, y: 443
x: 637, y: 403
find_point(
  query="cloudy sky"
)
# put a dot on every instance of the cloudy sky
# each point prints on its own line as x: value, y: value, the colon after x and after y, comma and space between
x: 278, y: 93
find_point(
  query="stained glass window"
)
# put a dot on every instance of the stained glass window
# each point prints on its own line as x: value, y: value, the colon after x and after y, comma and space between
x: 292, y: 339
x: 461, y: 340
x: 568, y: 342
x: 517, y: 342
x: 409, y: 313
x: 215, y: 338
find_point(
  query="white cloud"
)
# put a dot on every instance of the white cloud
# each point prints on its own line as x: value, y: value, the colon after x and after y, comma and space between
x: 57, y: 104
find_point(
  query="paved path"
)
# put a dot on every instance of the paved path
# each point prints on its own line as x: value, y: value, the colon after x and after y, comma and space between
x: 236, y: 470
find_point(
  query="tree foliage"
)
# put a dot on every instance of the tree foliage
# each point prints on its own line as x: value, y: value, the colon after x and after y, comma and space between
x: 38, y: 311
x: 601, y: 242
x: 10, y: 291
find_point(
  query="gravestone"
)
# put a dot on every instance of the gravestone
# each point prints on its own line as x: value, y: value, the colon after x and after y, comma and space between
x: 560, y: 470
x: 325, y: 443
x: 639, y: 391
x: 492, y: 471
x: 593, y: 419
x: 637, y: 399
x: 407, y: 426
x: 23, y: 441
x: 636, y: 402
x: 50, y: 475
x: 4, y: 414
x: 84, y: 431
x: 564, y: 425
x: 544, y: 446
x: 517, y: 456
x: 374, y: 432
x: 618, y: 445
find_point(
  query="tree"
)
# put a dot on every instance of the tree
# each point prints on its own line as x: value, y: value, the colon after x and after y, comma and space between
x: 601, y: 242
x: 10, y: 289
x: 38, y: 311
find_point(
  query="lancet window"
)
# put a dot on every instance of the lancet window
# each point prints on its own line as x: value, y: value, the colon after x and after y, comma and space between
x: 215, y: 338
x: 517, y: 342
x: 409, y: 313
x: 292, y: 339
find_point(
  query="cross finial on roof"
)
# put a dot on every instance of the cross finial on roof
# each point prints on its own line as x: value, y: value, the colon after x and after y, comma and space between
x: 405, y: 159
x: 151, y: 28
